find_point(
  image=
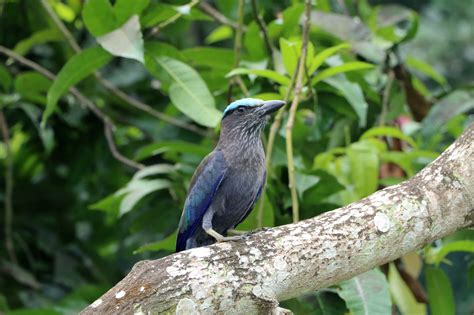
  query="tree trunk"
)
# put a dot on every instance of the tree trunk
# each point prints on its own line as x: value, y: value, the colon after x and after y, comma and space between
x: 252, y: 275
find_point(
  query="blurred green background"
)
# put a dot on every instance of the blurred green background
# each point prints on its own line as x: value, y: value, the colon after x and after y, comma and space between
x: 94, y: 177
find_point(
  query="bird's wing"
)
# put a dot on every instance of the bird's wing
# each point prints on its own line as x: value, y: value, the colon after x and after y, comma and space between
x: 252, y: 204
x: 204, y: 184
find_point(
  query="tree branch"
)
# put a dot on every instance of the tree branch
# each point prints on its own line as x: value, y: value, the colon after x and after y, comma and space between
x: 292, y: 113
x: 216, y: 15
x: 252, y: 275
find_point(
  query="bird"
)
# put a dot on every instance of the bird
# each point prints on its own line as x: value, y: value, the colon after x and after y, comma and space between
x: 228, y: 182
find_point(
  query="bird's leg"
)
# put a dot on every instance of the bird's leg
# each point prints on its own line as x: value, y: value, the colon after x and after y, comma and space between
x: 207, y: 227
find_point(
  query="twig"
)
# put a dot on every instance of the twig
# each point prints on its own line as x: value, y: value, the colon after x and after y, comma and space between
x: 216, y: 15
x: 8, y: 189
x: 292, y: 113
x: 171, y: 20
x: 61, y: 26
x: 74, y: 91
x: 117, y: 92
x: 108, y: 130
x: 386, y: 96
x: 263, y: 29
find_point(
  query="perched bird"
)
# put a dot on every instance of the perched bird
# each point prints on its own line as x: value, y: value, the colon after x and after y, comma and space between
x: 228, y: 182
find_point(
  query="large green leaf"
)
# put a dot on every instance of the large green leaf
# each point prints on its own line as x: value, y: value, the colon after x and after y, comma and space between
x: 264, y: 73
x: 220, y: 33
x: 167, y: 244
x: 99, y: 17
x: 32, y: 86
x: 125, y: 9
x: 289, y: 54
x: 323, y: 55
x: 137, y: 189
x: 440, y: 293
x: 189, y: 93
x: 436, y: 255
x: 388, y: 132
x: 367, y: 294
x: 5, y: 78
x: 156, y: 13
x: 212, y: 57
x: 39, y: 37
x: 346, y: 67
x: 353, y: 94
x: 76, y: 69
x: 426, y: 69
x: 364, y: 163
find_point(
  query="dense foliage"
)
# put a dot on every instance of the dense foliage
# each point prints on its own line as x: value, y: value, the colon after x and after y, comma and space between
x: 107, y: 107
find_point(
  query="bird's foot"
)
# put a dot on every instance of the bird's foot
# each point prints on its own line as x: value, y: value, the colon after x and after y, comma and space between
x: 221, y: 238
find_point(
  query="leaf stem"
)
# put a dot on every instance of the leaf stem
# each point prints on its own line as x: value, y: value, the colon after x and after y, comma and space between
x: 216, y: 15
x: 292, y: 113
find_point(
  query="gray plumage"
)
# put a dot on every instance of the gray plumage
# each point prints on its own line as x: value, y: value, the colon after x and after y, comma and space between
x: 229, y: 181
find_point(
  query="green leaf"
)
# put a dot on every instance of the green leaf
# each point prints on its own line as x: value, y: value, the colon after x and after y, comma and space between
x: 124, y: 9
x: 125, y: 41
x: 32, y: 86
x: 254, y: 44
x: 5, y: 78
x: 37, y: 38
x: 426, y: 69
x: 264, y: 73
x: 367, y: 294
x: 440, y: 293
x: 220, y: 33
x: 364, y: 163
x: 215, y: 58
x: 353, y: 94
x: 167, y: 244
x: 289, y: 54
x: 291, y: 17
x: 388, y: 132
x: 99, y: 17
x: 189, y: 93
x: 76, y: 69
x: 137, y: 189
x: 153, y: 170
x: 436, y: 255
x: 402, y: 294
x: 346, y: 67
x: 325, y: 54
x: 171, y: 146
x: 156, y: 13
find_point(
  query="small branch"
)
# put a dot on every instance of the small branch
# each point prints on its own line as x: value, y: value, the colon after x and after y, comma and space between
x: 292, y: 113
x: 108, y: 130
x: 61, y: 26
x: 237, y: 52
x: 74, y: 91
x: 8, y: 201
x: 263, y: 29
x: 216, y: 15
x: 171, y: 20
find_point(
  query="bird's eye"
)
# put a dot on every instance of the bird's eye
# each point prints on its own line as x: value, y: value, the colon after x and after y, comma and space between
x: 241, y: 109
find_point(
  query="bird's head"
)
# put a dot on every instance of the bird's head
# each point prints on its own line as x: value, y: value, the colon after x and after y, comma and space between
x: 247, y: 117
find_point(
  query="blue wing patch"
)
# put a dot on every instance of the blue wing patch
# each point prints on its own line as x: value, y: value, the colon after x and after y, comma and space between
x: 204, y: 184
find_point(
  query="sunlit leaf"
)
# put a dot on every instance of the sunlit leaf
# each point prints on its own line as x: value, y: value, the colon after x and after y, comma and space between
x: 138, y: 189
x: 76, y: 69
x: 440, y: 292
x: 269, y: 74
x: 153, y: 170
x: 388, y: 132
x: 125, y: 41
x: 364, y: 163
x: 220, y: 33
x: 367, y: 294
x: 436, y: 255
x: 289, y: 54
x: 156, y: 13
x: 125, y: 9
x: 319, y: 59
x: 189, y: 93
x: 402, y: 295
x: 346, y: 67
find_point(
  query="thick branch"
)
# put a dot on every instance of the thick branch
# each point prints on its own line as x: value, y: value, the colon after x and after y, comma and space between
x: 252, y: 275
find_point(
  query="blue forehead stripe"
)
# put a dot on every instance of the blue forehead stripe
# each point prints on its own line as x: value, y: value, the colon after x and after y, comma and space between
x: 247, y: 102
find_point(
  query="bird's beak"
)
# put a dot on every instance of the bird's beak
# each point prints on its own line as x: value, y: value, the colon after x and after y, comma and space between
x: 269, y: 107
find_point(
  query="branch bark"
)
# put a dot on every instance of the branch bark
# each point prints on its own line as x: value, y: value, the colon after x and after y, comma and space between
x: 252, y: 275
